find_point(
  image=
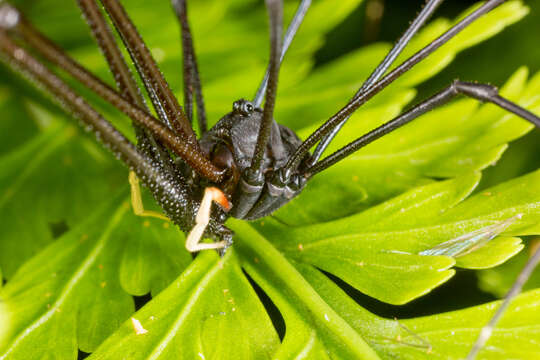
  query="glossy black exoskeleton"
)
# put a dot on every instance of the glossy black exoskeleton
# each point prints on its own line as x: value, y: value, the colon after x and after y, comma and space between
x: 230, y: 144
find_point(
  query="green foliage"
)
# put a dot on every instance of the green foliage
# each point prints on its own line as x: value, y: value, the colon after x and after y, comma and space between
x: 500, y: 279
x: 73, y: 252
x: 212, y: 298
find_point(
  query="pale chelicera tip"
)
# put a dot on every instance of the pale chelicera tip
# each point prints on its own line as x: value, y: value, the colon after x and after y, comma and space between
x: 211, y: 194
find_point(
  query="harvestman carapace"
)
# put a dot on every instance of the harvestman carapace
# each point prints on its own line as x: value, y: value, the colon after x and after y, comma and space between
x: 248, y: 163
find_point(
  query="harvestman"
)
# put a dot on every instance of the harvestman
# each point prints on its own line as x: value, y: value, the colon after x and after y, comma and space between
x: 247, y: 162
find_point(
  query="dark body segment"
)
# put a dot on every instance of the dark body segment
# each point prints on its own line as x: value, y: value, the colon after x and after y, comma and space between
x: 231, y: 143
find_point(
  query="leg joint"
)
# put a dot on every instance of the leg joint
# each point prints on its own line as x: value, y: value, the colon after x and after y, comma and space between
x: 483, y: 92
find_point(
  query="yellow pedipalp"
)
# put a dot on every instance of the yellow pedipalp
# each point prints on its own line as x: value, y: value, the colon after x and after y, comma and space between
x: 136, y: 200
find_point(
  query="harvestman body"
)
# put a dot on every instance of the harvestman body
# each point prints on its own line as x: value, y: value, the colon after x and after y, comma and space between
x: 247, y: 162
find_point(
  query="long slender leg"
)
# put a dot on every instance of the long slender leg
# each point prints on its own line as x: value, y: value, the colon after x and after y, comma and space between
x: 275, y: 13
x: 287, y: 40
x: 522, y: 278
x: 354, y: 104
x: 105, y: 39
x: 172, y: 194
x: 181, y: 147
x: 19, y: 59
x: 130, y: 91
x: 192, y: 81
x: 122, y: 76
x: 379, y: 71
x: 252, y: 180
x: 163, y: 99
x: 480, y: 92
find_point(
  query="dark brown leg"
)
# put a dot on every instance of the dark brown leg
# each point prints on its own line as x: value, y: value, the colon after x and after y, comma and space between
x: 165, y: 104
x: 192, y: 81
x: 22, y: 61
x: 184, y: 149
x: 172, y: 194
x: 105, y: 39
x: 122, y: 76
x: 275, y: 13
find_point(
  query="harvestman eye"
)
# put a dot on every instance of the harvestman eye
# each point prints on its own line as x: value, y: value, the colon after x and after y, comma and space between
x: 266, y: 164
x: 243, y: 107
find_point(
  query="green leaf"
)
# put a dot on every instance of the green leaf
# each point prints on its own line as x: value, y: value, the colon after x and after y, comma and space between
x: 210, y: 312
x: 43, y: 184
x: 302, y: 294
x: 452, y: 334
x: 492, y: 254
x: 13, y: 131
x: 447, y: 336
x: 480, y: 30
x: 378, y: 249
x: 314, y: 329
x: 72, y: 292
x: 500, y: 279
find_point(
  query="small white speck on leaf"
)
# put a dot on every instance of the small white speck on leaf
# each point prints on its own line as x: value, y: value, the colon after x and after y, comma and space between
x: 137, y: 326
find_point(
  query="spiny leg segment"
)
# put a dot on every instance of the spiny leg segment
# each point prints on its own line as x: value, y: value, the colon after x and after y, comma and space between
x: 164, y: 101
x: 192, y: 80
x: 123, y: 78
x: 184, y: 149
x: 130, y: 91
x: 21, y: 60
x: 117, y: 64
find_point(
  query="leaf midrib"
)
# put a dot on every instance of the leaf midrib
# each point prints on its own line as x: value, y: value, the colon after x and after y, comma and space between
x: 187, y: 308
